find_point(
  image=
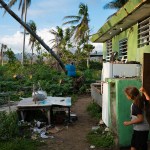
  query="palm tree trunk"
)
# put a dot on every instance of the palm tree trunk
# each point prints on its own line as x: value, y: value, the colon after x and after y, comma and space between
x: 2, y: 54
x: 32, y: 57
x: 4, y: 5
x: 24, y: 34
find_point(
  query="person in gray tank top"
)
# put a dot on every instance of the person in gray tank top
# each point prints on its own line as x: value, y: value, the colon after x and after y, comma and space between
x: 138, y: 119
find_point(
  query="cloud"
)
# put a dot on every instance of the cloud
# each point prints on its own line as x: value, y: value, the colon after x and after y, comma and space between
x: 15, y: 41
x: 98, y: 47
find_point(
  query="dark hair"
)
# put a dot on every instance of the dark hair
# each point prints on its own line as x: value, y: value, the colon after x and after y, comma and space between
x: 135, y: 95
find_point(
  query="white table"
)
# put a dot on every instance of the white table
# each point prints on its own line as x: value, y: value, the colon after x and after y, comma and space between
x: 48, y: 104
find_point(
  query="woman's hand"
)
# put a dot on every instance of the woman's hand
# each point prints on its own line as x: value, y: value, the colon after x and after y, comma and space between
x: 142, y: 90
x: 126, y: 123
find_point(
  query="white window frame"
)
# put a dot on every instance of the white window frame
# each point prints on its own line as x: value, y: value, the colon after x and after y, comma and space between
x: 123, y: 49
x: 108, y: 49
x: 144, y: 32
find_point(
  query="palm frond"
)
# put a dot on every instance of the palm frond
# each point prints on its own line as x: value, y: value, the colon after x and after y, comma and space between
x: 52, y: 31
x: 71, y: 22
x: 10, y: 4
x: 115, y: 4
x: 70, y: 17
x: 83, y: 11
x: 52, y: 41
x: 20, y: 3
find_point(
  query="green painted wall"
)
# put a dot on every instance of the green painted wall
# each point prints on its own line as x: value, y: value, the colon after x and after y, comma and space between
x: 104, y: 50
x: 123, y: 110
x: 119, y: 108
x: 141, y: 51
x: 134, y: 53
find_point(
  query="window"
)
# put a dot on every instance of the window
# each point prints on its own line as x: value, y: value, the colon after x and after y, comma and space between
x: 144, y: 32
x: 123, y: 50
x: 109, y: 49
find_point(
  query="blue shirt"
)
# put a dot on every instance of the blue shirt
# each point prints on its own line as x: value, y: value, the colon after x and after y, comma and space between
x: 71, y: 70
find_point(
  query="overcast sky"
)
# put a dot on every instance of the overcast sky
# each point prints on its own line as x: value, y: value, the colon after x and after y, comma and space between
x: 48, y: 14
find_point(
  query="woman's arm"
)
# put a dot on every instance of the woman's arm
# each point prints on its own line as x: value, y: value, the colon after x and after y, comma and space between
x: 142, y: 90
x: 139, y: 119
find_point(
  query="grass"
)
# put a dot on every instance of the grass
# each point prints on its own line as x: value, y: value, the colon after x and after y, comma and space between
x: 20, y: 144
x: 94, y: 110
x: 74, y: 98
x: 101, y: 138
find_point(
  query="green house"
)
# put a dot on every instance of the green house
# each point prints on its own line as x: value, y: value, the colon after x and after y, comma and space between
x: 127, y: 32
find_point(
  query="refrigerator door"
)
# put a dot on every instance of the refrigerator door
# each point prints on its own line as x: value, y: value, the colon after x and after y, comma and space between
x: 125, y: 70
x: 111, y: 70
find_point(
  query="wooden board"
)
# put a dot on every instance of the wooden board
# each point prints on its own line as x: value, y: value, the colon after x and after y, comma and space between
x: 146, y: 80
x: 146, y: 72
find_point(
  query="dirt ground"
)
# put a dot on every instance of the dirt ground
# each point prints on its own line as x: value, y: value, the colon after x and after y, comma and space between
x: 73, y: 137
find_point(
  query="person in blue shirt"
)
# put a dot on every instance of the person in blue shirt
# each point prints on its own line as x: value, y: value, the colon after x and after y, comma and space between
x: 71, y: 70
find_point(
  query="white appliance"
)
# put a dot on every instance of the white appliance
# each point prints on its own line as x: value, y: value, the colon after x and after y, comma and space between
x: 111, y: 70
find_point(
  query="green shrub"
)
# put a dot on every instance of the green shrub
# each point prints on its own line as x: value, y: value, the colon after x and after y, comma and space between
x: 93, y: 65
x: 20, y: 144
x: 8, y: 125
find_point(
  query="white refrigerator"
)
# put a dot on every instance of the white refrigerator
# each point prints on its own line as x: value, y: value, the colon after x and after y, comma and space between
x: 111, y: 70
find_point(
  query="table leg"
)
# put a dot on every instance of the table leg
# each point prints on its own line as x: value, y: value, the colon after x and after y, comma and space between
x: 9, y: 104
x: 69, y: 114
x: 48, y: 115
x: 22, y: 115
x: 51, y: 115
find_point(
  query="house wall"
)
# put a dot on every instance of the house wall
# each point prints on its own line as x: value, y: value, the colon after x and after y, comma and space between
x: 134, y: 53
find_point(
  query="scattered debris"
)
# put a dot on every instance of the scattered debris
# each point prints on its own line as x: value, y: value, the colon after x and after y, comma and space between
x: 95, y: 128
x: 55, y: 130
x: 92, y: 146
x: 107, y: 129
x: 73, y: 117
x: 101, y: 122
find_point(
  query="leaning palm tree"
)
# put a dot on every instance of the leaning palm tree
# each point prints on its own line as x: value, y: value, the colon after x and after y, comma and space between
x: 82, y: 20
x: 4, y: 5
x: 32, y: 39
